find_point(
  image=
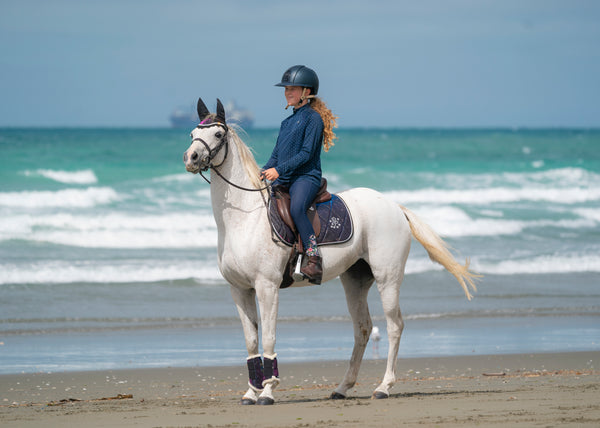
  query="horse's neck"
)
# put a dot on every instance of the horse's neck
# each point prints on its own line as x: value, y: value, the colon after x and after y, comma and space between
x: 229, y: 203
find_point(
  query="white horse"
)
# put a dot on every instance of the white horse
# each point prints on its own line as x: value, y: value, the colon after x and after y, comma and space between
x: 253, y: 263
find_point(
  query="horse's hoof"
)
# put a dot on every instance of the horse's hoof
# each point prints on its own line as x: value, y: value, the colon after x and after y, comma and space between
x: 337, y: 396
x: 247, y: 402
x: 378, y: 395
x: 265, y: 401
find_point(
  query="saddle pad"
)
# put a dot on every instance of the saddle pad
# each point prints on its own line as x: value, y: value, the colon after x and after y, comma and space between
x: 336, y: 223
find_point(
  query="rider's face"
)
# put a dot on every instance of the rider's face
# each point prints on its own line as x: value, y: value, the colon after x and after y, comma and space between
x: 293, y: 94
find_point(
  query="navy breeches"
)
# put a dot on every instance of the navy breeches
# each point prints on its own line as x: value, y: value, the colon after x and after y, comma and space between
x: 302, y: 193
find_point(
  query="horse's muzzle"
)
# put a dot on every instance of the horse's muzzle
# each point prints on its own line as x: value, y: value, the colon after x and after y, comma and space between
x: 194, y: 163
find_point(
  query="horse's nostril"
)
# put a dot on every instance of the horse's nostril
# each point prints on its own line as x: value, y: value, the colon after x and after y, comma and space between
x: 195, y: 156
x: 185, y: 157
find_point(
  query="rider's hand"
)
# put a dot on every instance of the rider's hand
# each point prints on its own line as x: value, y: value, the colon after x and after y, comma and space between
x: 270, y: 174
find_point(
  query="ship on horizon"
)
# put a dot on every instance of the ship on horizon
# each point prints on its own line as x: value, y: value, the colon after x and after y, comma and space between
x: 182, y: 118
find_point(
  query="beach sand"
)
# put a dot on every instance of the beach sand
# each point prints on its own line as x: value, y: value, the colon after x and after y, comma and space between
x: 529, y: 390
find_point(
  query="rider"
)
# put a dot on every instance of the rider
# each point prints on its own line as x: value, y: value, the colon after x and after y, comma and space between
x: 296, y: 159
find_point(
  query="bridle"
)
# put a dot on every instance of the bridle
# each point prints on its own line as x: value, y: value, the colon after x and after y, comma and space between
x: 212, y: 153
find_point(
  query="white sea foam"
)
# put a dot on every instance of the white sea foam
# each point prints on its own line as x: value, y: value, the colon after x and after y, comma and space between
x: 567, y: 263
x: 565, y: 176
x: 60, y: 272
x: 568, y: 195
x: 537, y: 164
x: 131, y: 239
x: 554, y: 264
x: 421, y: 265
x: 453, y: 222
x: 53, y: 272
x: 177, y: 230
x: 81, y: 198
x: 198, y: 230
x: 502, y: 187
x: 492, y: 213
x: 85, y: 176
x: 184, y: 177
x: 589, y: 213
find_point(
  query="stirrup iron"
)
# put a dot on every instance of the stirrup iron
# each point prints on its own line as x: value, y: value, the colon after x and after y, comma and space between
x: 297, y: 275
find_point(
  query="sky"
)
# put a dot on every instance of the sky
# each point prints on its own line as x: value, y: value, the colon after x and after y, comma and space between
x: 388, y: 63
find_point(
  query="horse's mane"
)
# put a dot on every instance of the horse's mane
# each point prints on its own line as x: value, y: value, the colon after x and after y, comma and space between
x: 247, y: 158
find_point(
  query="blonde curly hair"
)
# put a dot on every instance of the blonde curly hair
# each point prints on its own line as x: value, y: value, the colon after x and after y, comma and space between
x: 329, y: 122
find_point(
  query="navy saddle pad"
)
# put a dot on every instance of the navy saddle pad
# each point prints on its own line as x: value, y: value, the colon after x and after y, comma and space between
x: 336, y: 223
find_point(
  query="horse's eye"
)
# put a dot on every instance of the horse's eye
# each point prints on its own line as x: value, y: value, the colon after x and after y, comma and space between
x: 219, y: 135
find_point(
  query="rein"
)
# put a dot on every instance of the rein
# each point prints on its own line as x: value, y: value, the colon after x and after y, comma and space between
x: 233, y: 184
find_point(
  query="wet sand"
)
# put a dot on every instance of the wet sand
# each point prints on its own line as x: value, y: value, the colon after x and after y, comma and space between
x: 529, y: 390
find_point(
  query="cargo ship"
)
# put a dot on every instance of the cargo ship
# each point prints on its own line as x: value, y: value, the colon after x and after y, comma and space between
x: 182, y: 118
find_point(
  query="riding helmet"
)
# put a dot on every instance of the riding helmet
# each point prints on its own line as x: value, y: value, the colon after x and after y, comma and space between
x: 300, y: 75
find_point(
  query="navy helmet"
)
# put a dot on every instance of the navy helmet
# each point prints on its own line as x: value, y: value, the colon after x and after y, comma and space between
x: 300, y: 75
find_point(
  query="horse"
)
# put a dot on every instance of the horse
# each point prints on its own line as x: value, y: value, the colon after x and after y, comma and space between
x: 253, y: 263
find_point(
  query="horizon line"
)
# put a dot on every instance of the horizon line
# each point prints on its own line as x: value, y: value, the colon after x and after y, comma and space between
x: 341, y: 128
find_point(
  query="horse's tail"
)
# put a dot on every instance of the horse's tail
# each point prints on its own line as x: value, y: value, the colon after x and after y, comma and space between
x: 438, y: 252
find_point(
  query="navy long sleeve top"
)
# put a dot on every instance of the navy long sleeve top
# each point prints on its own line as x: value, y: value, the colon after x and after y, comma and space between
x: 297, y: 151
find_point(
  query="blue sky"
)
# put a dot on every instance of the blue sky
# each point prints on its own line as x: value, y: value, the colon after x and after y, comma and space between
x: 381, y: 63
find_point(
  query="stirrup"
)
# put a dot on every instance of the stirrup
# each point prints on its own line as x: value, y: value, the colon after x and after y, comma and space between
x: 297, y: 275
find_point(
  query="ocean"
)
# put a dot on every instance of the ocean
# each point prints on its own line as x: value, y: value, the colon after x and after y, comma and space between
x: 108, y: 248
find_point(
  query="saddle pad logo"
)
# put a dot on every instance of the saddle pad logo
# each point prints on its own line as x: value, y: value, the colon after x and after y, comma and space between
x: 335, y: 223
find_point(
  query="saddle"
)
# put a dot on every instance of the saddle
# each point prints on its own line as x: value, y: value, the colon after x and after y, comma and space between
x: 282, y: 198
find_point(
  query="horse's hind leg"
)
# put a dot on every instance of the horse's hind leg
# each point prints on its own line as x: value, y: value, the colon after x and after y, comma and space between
x: 390, y: 292
x: 357, y: 281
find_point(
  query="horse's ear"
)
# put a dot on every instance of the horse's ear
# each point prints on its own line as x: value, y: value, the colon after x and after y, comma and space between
x: 202, y: 110
x: 220, y: 112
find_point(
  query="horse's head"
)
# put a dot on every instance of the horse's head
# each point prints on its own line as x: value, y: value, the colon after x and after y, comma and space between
x: 208, y: 138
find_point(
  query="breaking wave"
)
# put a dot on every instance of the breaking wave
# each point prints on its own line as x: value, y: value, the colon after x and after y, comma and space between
x: 85, y: 176
x: 67, y: 198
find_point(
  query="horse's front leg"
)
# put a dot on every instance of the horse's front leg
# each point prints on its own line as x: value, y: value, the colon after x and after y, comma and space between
x: 245, y: 302
x: 267, y: 293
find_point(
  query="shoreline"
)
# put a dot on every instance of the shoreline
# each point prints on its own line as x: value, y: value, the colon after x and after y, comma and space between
x: 539, y: 389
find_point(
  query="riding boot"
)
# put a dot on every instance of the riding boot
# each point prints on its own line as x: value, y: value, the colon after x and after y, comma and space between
x: 313, y: 269
x: 311, y: 262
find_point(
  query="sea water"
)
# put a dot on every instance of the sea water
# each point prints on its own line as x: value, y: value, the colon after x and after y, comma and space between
x: 108, y: 248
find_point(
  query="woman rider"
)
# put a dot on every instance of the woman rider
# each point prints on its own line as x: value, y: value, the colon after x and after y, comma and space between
x: 296, y: 159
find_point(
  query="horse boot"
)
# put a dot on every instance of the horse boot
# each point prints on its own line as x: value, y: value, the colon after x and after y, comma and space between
x: 313, y: 269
